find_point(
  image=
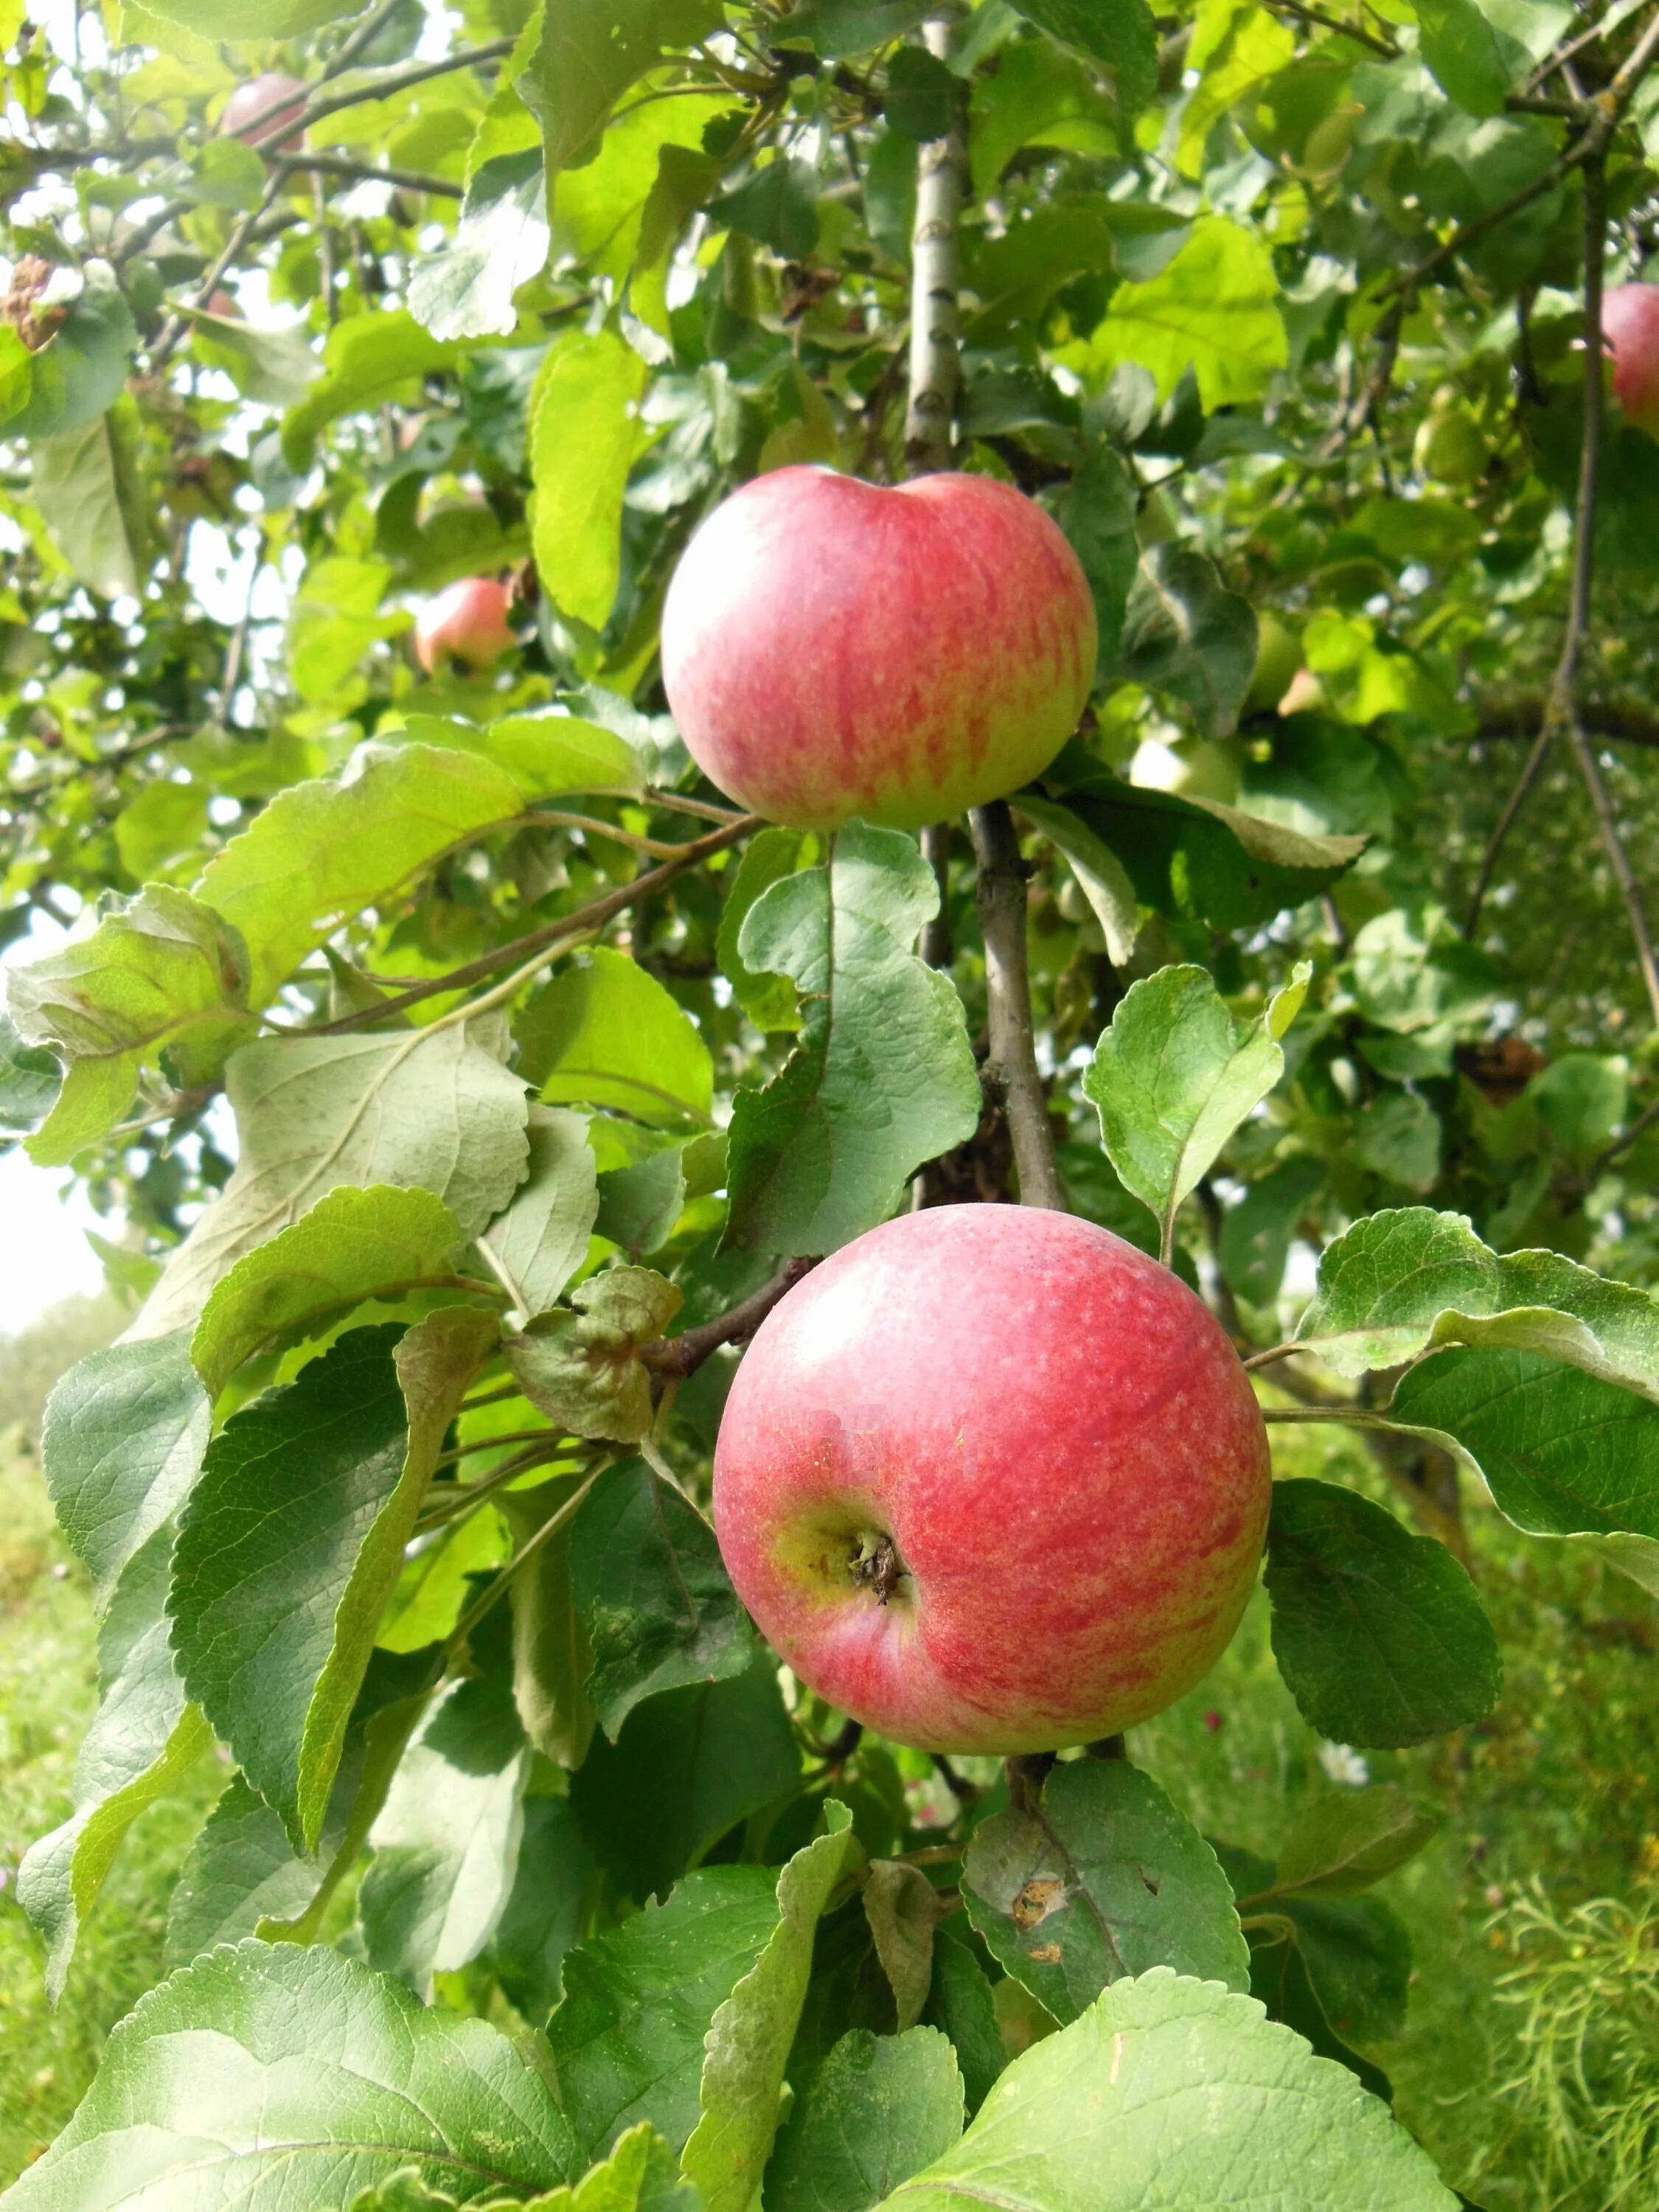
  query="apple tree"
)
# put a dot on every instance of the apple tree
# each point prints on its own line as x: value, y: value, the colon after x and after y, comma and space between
x: 467, y: 1080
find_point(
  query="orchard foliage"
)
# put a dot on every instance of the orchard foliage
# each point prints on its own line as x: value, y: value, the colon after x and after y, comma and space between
x: 470, y: 1075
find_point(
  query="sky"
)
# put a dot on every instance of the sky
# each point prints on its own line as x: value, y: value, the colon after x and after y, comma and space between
x: 44, y: 1253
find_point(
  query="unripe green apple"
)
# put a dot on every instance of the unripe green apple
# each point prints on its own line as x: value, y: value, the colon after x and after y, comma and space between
x: 990, y: 1479
x: 1277, y: 657
x: 1449, y: 447
x: 830, y: 648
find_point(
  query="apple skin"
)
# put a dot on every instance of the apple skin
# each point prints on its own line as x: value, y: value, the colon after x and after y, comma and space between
x: 263, y: 108
x: 1059, y: 1443
x: 1629, y: 324
x: 832, y: 648
x: 468, y: 622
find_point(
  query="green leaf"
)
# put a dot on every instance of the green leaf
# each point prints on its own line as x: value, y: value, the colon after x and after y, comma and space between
x: 367, y: 360
x: 1257, y: 1233
x: 1097, y: 513
x: 748, y: 2042
x: 1123, y: 35
x: 1104, y: 1879
x: 1036, y: 97
x: 628, y: 2038
x: 143, y: 1738
x: 1176, y: 1073
x: 1404, y: 1281
x: 1352, y: 1954
x: 961, y: 2004
x: 465, y: 290
x: 296, y: 2077
x: 329, y: 847
x: 704, y: 1758
x: 1237, y: 51
x: 1184, y: 633
x: 542, y: 1238
x: 293, y: 1540
x: 879, y: 2109
x: 428, y: 1107
x: 777, y: 206
x: 922, y: 96
x: 161, y: 973
x: 546, y: 754
x: 584, y: 437
x: 30, y: 1079
x: 1379, y: 1635
x: 240, y: 1869
x: 582, y: 1368
x: 122, y: 1445
x: 659, y: 1605
x: 882, y: 1078
x: 837, y: 28
x: 1173, y: 2091
x: 902, y: 1908
x: 544, y: 1914
x: 1197, y: 860
x: 77, y: 376
x: 551, y: 1652
x: 1481, y: 51
x: 769, y: 1001
x: 276, y: 369
x: 87, y: 486
x: 1344, y: 1843
x: 1212, y: 311
x: 1563, y: 1453
x: 604, y: 1032
x: 1100, y: 875
x: 588, y: 55
x: 445, y: 1842
x: 353, y: 1245
x: 263, y: 19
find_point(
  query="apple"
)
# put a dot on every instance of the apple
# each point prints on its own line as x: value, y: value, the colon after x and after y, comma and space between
x: 831, y: 648
x: 990, y: 1479
x: 1277, y: 657
x: 1629, y: 324
x: 263, y: 108
x: 466, y: 622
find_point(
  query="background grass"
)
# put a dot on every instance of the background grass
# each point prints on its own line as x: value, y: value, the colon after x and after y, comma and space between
x: 1550, y: 1804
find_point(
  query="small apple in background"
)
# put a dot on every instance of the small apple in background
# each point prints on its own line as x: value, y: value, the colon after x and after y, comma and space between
x: 1305, y: 696
x: 1449, y: 447
x: 226, y: 305
x: 990, y: 1479
x: 1277, y: 657
x: 1629, y: 324
x: 831, y: 648
x: 263, y: 108
x: 468, y: 622
x: 1192, y: 767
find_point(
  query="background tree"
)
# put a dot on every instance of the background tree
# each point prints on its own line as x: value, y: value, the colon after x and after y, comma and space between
x: 472, y: 1079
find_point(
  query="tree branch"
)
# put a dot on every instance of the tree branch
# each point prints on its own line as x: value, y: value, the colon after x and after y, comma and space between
x: 683, y: 1354
x: 337, y: 165
x: 1012, y: 1068
x: 1317, y: 16
x: 935, y: 369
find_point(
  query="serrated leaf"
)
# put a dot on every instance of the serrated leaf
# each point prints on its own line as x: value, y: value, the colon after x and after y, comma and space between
x: 546, y: 754
x: 1096, y: 512
x: 882, y: 1078
x: 273, y: 368
x: 1401, y: 1282
x: 353, y: 1245
x: 748, y: 2042
x: 1102, y: 1879
x: 551, y: 1655
x: 1175, y: 2091
x: 542, y: 1238
x: 1100, y: 875
x: 1481, y: 51
x: 1236, y: 51
x: 606, y: 1033
x: 628, y: 2038
x: 1176, y: 1073
x: 879, y: 2109
x: 293, y: 1542
x: 445, y: 1842
x: 776, y: 206
x: 1353, y: 1953
x: 465, y: 290
x: 704, y: 1758
x: 1124, y: 37
x: 1343, y: 1844
x: 1185, y: 634
x: 91, y: 494
x: 582, y: 1368
x: 1214, y: 311
x: 1256, y: 1234
x: 1378, y: 1633
x: 30, y: 1079
x: 585, y: 435
x: 240, y: 1869
x: 122, y: 1444
x: 431, y: 1108
x: 76, y: 380
x: 769, y: 1001
x: 902, y: 1908
x: 143, y: 1737
x: 292, y: 2076
x: 961, y: 2004
x: 657, y: 1604
x: 160, y: 972
x: 366, y: 359
x: 545, y: 1913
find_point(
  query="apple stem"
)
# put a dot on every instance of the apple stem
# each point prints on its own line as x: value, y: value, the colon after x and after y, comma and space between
x: 934, y: 368
x: 1011, y: 1073
x: 1027, y: 1772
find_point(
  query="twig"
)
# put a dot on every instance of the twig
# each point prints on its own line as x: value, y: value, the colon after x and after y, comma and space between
x: 1622, y: 1143
x: 590, y: 824
x: 548, y: 941
x: 337, y: 164
x: 1624, y: 875
x: 1305, y: 15
x: 1354, y: 418
x: 935, y: 370
x: 1506, y: 821
x: 498, y: 1589
x: 1011, y: 1066
x: 683, y: 1355
x: 403, y: 80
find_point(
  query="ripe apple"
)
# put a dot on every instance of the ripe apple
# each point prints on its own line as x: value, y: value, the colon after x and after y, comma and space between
x: 831, y: 648
x: 1630, y: 323
x: 468, y: 622
x: 990, y: 1479
x: 263, y: 108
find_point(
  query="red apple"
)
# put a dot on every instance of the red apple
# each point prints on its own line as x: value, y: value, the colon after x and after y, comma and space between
x: 466, y: 622
x: 832, y: 649
x: 1629, y: 324
x: 263, y: 108
x: 992, y: 1480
